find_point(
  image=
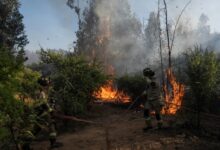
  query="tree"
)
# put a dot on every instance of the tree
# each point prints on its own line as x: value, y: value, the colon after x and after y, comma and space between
x: 12, y: 33
x: 87, y: 34
x: 202, y: 70
x: 72, y: 5
x: 13, y: 119
x: 151, y: 31
x: 109, y: 33
x: 170, y: 37
x: 123, y: 30
x: 12, y: 41
x: 8, y: 64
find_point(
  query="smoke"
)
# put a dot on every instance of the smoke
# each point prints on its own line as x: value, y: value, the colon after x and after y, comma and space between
x: 130, y: 48
x: 187, y: 37
x: 125, y: 49
x: 33, y: 57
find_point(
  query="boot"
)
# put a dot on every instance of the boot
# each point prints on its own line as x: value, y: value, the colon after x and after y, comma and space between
x: 159, y: 120
x: 26, y: 147
x: 54, y: 144
x: 160, y: 124
x: 147, y: 128
x: 148, y: 125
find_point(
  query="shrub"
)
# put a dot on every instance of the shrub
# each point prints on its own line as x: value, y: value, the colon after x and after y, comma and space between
x: 17, y: 117
x: 202, y: 70
x: 27, y: 84
x: 13, y: 119
x: 132, y: 85
x: 74, y: 80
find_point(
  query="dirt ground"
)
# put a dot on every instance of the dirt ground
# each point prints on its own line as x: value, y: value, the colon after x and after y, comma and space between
x: 118, y: 129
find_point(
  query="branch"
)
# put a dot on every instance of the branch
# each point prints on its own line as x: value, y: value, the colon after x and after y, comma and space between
x: 60, y: 116
x: 174, y: 32
x: 167, y: 28
x: 160, y: 43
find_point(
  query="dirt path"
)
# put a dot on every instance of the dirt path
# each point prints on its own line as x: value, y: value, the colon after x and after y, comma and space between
x: 123, y: 131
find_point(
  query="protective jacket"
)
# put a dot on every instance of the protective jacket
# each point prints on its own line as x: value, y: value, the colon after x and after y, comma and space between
x: 153, y: 96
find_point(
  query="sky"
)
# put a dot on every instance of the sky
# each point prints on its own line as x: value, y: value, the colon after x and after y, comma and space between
x: 52, y: 24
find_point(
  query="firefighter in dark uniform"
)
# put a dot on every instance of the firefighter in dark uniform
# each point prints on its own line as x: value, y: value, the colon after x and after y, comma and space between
x: 44, y: 113
x: 153, y: 99
x: 44, y: 118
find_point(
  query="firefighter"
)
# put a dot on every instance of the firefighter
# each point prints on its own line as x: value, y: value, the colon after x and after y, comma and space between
x: 45, y: 113
x: 44, y: 87
x: 153, y: 99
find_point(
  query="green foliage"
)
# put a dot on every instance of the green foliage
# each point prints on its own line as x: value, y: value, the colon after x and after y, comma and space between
x: 88, y: 32
x: 12, y: 29
x: 132, y: 85
x: 14, y: 79
x: 8, y: 65
x: 12, y: 42
x: 28, y: 85
x: 12, y: 114
x: 74, y: 80
x: 12, y: 37
x: 202, y: 69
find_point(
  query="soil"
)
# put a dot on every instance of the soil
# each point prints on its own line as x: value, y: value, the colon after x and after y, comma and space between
x: 118, y: 129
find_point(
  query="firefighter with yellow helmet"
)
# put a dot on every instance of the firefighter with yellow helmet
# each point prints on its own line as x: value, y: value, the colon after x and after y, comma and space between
x: 153, y: 99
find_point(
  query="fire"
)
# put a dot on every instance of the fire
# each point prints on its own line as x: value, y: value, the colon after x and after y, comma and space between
x: 108, y: 93
x: 173, y: 98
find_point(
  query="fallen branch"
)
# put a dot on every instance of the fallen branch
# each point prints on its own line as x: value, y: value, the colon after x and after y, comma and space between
x: 72, y: 118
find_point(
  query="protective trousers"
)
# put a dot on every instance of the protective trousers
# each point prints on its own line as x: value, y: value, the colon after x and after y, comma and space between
x: 152, y: 105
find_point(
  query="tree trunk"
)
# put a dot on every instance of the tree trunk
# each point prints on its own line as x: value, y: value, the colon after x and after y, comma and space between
x: 160, y: 45
x: 168, y: 35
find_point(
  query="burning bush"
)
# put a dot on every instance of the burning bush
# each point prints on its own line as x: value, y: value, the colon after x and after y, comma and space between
x: 173, y: 94
x: 109, y: 93
x: 74, y: 80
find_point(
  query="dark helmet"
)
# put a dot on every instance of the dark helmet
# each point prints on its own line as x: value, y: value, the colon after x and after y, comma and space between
x: 148, y: 72
x: 43, y: 81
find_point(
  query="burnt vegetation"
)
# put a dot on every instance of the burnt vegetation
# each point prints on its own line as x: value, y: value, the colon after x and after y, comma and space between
x: 112, y: 47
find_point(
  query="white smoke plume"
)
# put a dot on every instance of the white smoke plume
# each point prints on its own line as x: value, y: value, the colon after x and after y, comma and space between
x: 125, y: 49
x: 130, y: 48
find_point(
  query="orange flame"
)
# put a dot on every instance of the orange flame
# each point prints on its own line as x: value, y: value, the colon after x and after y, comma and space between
x: 108, y: 93
x: 173, y: 98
